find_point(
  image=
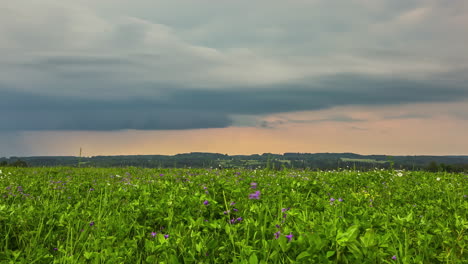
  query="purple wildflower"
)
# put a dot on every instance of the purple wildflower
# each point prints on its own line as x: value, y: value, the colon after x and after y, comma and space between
x: 285, y: 209
x: 235, y: 210
x: 91, y: 224
x: 55, y: 249
x: 289, y: 237
x: 277, y: 226
x: 255, y: 195
x: 332, y: 200
x: 285, y: 215
x: 206, y: 202
x: 232, y: 203
x: 234, y: 220
x: 226, y: 212
x: 91, y: 189
x: 340, y: 199
x: 153, y: 234
x: 253, y: 185
x: 166, y: 236
x: 394, y: 257
x: 277, y: 234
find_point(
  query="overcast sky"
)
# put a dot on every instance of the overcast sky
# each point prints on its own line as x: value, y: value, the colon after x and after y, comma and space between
x: 164, y: 77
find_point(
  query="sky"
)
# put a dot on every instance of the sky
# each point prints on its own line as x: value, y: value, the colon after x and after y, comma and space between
x: 129, y: 77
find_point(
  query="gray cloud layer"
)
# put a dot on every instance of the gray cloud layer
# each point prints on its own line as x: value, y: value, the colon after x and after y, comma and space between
x: 183, y: 108
x: 69, y: 65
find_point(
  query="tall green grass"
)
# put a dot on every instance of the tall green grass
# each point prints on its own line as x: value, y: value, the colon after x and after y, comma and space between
x: 133, y: 215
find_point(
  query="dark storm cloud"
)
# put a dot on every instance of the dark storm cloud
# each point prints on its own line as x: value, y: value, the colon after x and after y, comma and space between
x: 181, y: 108
x: 98, y: 65
x: 77, y: 61
x: 111, y: 119
x: 23, y: 111
x: 275, y: 123
x: 332, y: 91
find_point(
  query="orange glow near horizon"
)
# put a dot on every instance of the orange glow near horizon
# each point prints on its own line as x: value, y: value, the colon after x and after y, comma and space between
x: 438, y: 135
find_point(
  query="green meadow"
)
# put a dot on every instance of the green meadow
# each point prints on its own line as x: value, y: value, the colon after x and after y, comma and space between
x: 134, y: 215
x: 364, y: 160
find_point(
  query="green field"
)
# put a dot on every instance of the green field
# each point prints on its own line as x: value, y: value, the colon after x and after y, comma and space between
x: 133, y: 215
x: 364, y: 160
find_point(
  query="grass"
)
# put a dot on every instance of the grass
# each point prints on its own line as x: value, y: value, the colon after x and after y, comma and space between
x: 133, y: 215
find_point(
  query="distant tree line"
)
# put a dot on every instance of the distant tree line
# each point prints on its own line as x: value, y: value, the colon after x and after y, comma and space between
x: 322, y: 161
x: 16, y: 163
x: 435, y: 167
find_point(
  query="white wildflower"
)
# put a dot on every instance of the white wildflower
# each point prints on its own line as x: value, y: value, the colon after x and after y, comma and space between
x: 438, y: 179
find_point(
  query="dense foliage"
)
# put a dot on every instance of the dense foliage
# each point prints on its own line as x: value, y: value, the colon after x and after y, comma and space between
x: 134, y: 215
x: 323, y: 161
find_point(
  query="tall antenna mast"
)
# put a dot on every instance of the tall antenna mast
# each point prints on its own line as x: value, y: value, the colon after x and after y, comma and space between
x: 79, y: 160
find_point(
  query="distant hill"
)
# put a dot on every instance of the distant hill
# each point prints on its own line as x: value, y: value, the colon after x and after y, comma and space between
x: 265, y: 160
